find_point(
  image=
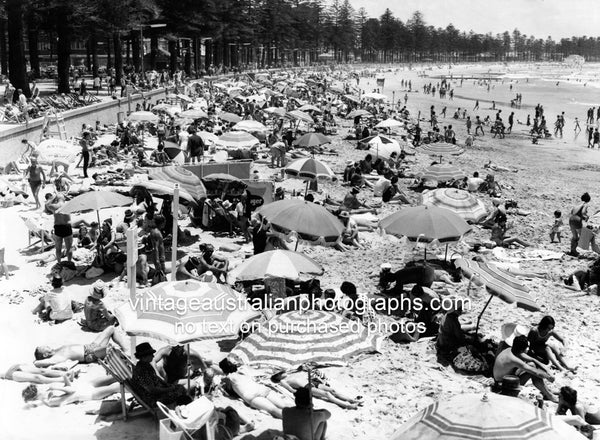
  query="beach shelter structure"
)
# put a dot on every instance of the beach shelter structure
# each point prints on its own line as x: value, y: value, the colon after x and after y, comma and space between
x: 94, y: 201
x: 441, y: 149
x: 308, y: 221
x: 179, y: 312
x: 442, y: 173
x: 459, y: 201
x: 310, y: 140
x: 488, y: 416
x: 237, y: 139
x: 425, y: 223
x: 302, y: 337
x: 498, y: 282
x: 186, y: 179
x: 276, y: 264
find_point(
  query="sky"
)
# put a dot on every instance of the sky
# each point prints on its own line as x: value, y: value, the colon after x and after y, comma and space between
x: 541, y: 18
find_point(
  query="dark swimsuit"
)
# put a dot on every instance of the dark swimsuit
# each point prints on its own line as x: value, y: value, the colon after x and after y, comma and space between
x: 63, y: 231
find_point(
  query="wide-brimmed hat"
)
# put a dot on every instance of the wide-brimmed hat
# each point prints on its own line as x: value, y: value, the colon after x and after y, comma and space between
x: 98, y: 289
x: 143, y: 349
x: 511, y: 330
x: 349, y: 162
x: 129, y: 215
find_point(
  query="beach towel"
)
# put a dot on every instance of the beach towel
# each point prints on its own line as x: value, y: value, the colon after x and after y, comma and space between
x: 516, y: 255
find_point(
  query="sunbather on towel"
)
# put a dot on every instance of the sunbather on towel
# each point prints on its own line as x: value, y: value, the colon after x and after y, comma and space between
x: 31, y: 374
x: 256, y: 395
x: 46, y: 356
x: 58, y: 395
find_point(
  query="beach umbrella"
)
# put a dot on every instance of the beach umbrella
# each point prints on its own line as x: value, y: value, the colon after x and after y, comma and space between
x: 374, y: 96
x: 309, y: 221
x: 425, y: 223
x: 442, y: 173
x: 489, y: 416
x: 208, y: 136
x: 354, y: 99
x: 309, y: 168
x: 237, y: 139
x: 310, y: 108
x: 51, y: 150
x: 498, y: 282
x: 382, y: 145
x: 313, y: 336
x: 456, y: 200
x: 249, y: 125
x: 194, y: 113
x: 143, y: 116
x: 441, y: 149
x: 336, y: 89
x: 180, y: 312
x: 178, y: 174
x: 276, y: 264
x: 176, y: 154
x: 389, y: 123
x: 94, y: 201
x: 300, y: 116
x: 230, y: 117
x: 234, y: 91
x: 163, y: 187
x: 184, y: 97
x: 161, y: 107
x: 279, y: 111
x: 103, y: 140
x: 310, y: 140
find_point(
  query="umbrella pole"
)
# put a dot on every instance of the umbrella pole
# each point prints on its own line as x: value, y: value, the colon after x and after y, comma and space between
x: 98, y: 217
x: 188, y: 366
x: 481, y: 314
x: 175, y: 211
x: 446, y: 254
x: 310, y: 399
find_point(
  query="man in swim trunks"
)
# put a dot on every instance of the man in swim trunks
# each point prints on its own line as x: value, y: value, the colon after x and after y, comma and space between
x: 509, y: 362
x: 37, y: 178
x: 63, y: 232
x: 89, y: 353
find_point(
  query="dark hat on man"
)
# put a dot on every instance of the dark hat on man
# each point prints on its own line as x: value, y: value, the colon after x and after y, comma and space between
x: 143, y: 349
x: 129, y: 215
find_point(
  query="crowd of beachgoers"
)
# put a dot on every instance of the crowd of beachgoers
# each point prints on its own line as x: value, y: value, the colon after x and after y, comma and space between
x: 401, y: 216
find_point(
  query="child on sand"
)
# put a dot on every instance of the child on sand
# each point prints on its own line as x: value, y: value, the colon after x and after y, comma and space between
x: 556, y: 227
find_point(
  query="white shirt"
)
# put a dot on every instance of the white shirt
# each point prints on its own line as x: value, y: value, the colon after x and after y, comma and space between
x: 473, y: 183
x: 183, y: 139
x: 381, y: 186
x: 60, y: 303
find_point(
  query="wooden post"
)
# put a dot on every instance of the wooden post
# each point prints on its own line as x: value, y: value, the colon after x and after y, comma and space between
x: 175, y: 211
x: 132, y: 257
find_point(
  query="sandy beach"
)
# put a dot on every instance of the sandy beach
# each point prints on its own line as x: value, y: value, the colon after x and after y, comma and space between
x: 402, y: 379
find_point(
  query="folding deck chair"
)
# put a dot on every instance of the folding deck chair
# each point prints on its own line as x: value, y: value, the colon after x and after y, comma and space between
x: 36, y: 231
x: 199, y: 414
x: 120, y: 367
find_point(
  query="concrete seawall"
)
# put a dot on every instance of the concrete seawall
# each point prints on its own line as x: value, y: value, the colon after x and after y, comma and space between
x: 107, y: 112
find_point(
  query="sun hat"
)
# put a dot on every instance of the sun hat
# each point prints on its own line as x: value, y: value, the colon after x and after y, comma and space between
x: 98, y: 289
x: 129, y: 215
x: 143, y: 349
x: 511, y: 330
x: 349, y: 162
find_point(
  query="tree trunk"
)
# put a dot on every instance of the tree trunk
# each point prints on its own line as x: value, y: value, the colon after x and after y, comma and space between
x: 136, y: 51
x: 94, y: 48
x: 17, y: 68
x: 118, y: 57
x: 153, y: 52
x: 173, y: 56
x: 3, y: 51
x: 109, y: 63
x: 187, y: 60
x: 63, y: 53
x: 88, y: 54
x: 32, y: 36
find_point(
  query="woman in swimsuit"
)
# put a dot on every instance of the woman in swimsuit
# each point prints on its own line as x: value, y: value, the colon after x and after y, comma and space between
x: 31, y: 374
x: 58, y: 395
x: 538, y: 347
x: 579, y: 214
x: 37, y: 178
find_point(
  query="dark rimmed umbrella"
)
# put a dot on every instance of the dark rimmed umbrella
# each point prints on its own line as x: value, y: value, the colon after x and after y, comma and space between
x: 94, y: 201
x: 311, y: 140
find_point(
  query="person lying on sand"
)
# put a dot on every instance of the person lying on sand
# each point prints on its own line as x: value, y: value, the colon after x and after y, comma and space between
x: 492, y: 166
x: 256, y: 395
x: 509, y: 362
x: 320, y: 389
x: 46, y: 356
x: 582, y: 415
x: 31, y: 374
x: 58, y: 395
x: 420, y: 275
x: 499, y: 238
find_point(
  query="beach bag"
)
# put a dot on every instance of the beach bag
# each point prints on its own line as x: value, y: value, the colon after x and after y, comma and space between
x: 466, y: 360
x: 159, y: 277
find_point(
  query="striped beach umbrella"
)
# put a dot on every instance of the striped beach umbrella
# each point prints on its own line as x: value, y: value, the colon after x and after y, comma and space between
x: 300, y: 116
x: 442, y: 173
x: 237, y: 139
x: 425, y: 223
x: 441, y: 149
x: 456, y: 200
x: 491, y: 416
x: 194, y: 113
x: 309, y: 168
x: 279, y: 111
x: 179, y: 312
x: 390, y: 123
x: 309, y: 221
x: 249, y: 125
x: 276, y: 264
x: 499, y: 283
x: 312, y: 139
x: 178, y: 174
x: 295, y: 338
x: 230, y: 117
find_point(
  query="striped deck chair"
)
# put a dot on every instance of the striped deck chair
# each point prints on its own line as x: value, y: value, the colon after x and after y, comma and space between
x: 120, y: 367
x: 45, y: 241
x: 200, y: 422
